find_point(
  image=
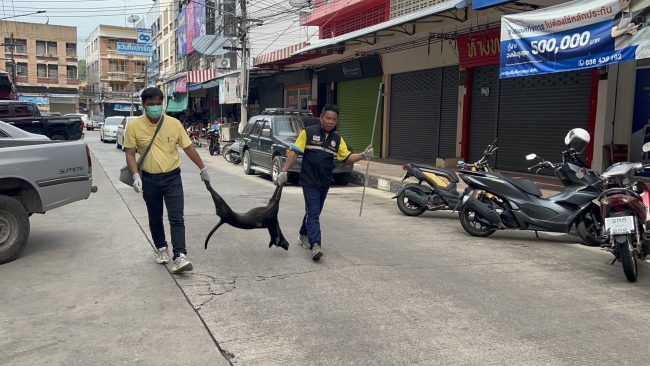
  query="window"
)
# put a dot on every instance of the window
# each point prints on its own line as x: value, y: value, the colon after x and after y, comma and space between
x: 4, y: 111
x: 23, y: 110
x: 20, y: 45
x: 116, y: 65
x: 53, y: 71
x: 71, y: 71
x: 71, y: 50
x: 257, y: 128
x: 3, y: 135
x: 47, y: 71
x: 112, y: 44
x: 41, y: 70
x: 140, y: 67
x: 52, y: 49
x: 21, y: 69
x: 41, y: 48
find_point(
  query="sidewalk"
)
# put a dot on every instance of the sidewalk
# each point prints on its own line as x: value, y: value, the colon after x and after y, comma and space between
x: 387, y: 174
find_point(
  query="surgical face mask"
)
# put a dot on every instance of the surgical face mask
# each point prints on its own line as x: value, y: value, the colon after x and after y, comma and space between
x: 154, y: 111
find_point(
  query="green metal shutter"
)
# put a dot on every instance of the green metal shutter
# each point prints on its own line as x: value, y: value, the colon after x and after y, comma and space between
x: 357, y: 100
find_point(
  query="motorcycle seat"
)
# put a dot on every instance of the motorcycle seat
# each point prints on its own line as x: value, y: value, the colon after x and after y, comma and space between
x: 525, y: 185
x: 447, y: 174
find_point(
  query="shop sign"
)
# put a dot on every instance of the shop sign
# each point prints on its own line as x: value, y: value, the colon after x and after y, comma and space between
x: 134, y: 49
x: 181, y: 85
x: 479, y: 49
x: 229, y: 92
x: 352, y: 69
x: 580, y: 34
x: 43, y: 103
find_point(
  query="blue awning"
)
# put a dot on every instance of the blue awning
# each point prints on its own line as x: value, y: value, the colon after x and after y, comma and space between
x: 484, y: 4
x: 194, y: 87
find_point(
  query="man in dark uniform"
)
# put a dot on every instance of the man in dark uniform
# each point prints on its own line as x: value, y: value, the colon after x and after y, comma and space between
x: 318, y: 145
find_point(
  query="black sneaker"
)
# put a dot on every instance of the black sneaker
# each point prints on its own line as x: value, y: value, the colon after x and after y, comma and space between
x: 316, y: 252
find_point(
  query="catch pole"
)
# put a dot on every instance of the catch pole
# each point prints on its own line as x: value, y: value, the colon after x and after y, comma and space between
x: 372, y: 140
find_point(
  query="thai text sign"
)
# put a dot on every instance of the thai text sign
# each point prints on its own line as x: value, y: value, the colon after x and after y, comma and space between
x: 134, y: 49
x: 479, y: 49
x: 576, y: 35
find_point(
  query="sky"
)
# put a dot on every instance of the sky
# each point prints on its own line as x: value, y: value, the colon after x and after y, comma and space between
x: 86, y: 15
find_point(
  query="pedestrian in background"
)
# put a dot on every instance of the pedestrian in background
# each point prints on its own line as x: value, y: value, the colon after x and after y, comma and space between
x: 318, y: 145
x: 161, y: 174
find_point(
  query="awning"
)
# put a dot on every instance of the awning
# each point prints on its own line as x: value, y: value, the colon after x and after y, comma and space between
x: 194, y: 87
x: 278, y: 55
x: 178, y: 103
x: 201, y: 76
x: 484, y: 4
x: 385, y: 26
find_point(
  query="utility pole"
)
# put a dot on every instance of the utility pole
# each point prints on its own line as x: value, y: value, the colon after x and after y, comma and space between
x: 244, y: 69
x: 14, y: 71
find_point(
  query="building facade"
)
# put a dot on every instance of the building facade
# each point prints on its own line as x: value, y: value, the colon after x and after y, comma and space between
x: 41, y: 60
x: 113, y: 77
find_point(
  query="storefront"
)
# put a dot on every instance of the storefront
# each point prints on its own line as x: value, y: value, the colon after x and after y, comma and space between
x: 288, y: 90
x: 423, y: 114
x: 529, y: 114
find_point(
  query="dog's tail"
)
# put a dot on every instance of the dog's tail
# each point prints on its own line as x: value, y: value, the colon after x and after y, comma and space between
x: 212, y: 232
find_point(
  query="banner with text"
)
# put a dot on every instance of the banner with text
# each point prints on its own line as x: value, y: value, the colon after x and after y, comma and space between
x: 576, y: 35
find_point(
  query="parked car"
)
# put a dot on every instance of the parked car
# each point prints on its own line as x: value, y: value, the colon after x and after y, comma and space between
x: 108, y: 131
x: 267, y: 139
x: 95, y: 122
x: 119, y: 138
x: 84, y: 118
x: 37, y: 176
x: 8, y: 131
x: 26, y: 116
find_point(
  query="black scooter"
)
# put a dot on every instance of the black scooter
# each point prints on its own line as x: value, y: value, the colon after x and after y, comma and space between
x: 213, y: 142
x: 494, y: 202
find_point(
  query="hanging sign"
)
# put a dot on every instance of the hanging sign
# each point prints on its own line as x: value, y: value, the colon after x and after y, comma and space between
x: 576, y: 35
x: 479, y: 49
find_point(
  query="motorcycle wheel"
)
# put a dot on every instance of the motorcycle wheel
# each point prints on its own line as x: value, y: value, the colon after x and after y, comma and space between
x: 211, y: 149
x: 587, y: 231
x: 628, y: 258
x: 474, y: 227
x: 407, y: 207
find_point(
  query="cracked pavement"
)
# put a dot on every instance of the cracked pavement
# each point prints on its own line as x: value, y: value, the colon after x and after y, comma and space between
x: 394, y: 290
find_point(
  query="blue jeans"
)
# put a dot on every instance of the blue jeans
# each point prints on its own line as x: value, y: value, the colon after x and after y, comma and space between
x: 166, y: 187
x: 314, y: 202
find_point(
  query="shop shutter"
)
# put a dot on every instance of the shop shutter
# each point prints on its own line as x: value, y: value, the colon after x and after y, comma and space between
x: 357, y: 100
x: 415, y: 115
x: 535, y: 113
x: 483, y: 121
x: 271, y: 96
x: 448, y: 112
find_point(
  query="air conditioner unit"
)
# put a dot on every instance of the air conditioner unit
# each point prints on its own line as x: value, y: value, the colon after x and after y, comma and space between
x: 223, y: 63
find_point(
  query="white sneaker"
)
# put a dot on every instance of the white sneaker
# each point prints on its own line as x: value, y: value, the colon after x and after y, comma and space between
x: 304, y: 241
x: 162, y: 256
x: 181, y: 264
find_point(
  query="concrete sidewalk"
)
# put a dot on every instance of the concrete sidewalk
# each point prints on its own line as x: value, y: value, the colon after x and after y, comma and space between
x: 87, y: 291
x: 387, y: 174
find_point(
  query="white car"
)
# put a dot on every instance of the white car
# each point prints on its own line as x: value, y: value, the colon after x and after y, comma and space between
x: 120, y: 132
x: 108, y: 131
x: 84, y: 118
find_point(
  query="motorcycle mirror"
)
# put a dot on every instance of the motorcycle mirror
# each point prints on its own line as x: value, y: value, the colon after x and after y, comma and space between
x: 461, y: 163
x: 646, y: 147
x: 530, y: 157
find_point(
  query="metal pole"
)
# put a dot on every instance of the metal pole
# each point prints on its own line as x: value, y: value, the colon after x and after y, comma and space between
x: 244, y: 73
x: 372, y: 140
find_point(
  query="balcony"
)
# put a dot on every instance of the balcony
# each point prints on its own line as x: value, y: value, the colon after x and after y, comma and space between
x: 117, y: 76
x: 324, y: 9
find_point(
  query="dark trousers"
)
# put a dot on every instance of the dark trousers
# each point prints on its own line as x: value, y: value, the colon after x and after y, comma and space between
x: 314, y: 202
x: 166, y: 187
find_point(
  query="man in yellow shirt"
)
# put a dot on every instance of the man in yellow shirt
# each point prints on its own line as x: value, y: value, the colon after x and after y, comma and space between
x: 161, y: 174
x: 318, y: 145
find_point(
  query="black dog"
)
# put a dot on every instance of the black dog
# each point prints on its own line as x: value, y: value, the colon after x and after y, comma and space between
x: 257, y: 218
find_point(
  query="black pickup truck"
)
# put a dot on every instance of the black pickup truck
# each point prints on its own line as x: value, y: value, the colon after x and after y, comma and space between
x: 26, y: 116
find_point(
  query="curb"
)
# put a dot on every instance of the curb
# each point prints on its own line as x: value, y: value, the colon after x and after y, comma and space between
x: 383, y: 183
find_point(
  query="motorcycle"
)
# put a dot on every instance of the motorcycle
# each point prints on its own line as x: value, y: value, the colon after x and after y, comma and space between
x: 440, y: 193
x: 213, y: 142
x: 494, y: 202
x: 230, y: 152
x: 624, y: 205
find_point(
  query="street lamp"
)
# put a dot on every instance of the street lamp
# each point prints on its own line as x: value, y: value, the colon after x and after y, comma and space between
x: 24, y: 15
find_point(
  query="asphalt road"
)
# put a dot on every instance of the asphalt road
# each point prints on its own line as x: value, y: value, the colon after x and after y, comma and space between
x: 390, y: 290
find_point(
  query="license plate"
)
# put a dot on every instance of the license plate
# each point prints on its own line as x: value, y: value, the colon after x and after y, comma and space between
x: 620, y: 225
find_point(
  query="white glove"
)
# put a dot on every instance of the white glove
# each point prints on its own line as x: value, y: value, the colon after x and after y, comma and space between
x: 204, y: 175
x: 368, y: 152
x: 283, y: 177
x: 137, y: 183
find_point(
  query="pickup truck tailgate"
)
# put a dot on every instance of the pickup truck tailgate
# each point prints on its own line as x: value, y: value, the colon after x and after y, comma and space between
x: 61, y: 172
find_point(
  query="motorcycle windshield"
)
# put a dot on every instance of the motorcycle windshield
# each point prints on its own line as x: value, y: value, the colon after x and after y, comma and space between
x: 620, y: 169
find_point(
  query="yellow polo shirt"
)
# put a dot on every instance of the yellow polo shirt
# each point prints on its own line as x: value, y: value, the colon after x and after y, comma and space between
x: 163, y: 156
